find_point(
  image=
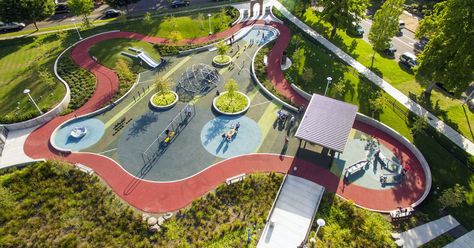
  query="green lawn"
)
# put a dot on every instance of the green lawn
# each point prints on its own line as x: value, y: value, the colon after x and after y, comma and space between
x: 448, y: 109
x: 449, y: 164
x: 109, y: 51
x: 20, y: 61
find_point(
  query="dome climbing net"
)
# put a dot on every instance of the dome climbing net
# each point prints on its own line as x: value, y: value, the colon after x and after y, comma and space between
x: 198, y: 79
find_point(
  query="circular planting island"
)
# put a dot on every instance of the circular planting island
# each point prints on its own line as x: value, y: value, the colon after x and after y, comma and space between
x: 164, y: 101
x: 222, y: 60
x: 235, y: 105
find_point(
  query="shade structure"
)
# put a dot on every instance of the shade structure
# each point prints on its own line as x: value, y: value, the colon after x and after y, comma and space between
x: 327, y: 122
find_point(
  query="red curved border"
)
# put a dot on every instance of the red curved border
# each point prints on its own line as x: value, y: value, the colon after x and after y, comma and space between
x: 169, y: 196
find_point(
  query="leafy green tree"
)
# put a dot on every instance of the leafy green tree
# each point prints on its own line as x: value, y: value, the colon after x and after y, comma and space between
x: 231, y: 87
x: 26, y: 10
x: 340, y: 87
x: 175, y: 36
x: 222, y: 48
x: 452, y: 197
x: 385, y: 25
x: 47, y: 78
x: 308, y: 75
x: 377, y: 104
x: 120, y: 3
x: 200, y: 21
x: 419, y: 125
x: 342, y: 13
x: 162, y: 86
x: 299, y: 60
x: 448, y: 57
x: 81, y: 8
x: 147, y: 19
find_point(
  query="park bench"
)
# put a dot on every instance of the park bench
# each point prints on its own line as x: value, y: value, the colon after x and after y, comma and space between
x: 235, y: 179
x: 359, y: 166
x: 84, y: 168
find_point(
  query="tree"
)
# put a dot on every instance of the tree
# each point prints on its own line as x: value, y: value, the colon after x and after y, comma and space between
x: 175, y: 36
x: 299, y: 60
x: 123, y: 70
x: 308, y: 75
x: 26, y: 10
x: 419, y: 125
x: 222, y: 48
x: 147, y: 19
x: 120, y: 3
x: 340, y: 87
x: 342, y: 13
x: 452, y: 197
x: 231, y: 87
x: 200, y: 20
x: 377, y: 104
x: 162, y: 86
x: 385, y: 25
x: 47, y: 78
x: 448, y: 58
x: 81, y: 8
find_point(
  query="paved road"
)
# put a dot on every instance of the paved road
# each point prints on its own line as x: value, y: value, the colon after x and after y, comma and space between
x: 137, y: 8
x: 403, y: 43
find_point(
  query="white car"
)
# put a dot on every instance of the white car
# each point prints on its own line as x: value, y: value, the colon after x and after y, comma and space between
x: 10, y: 26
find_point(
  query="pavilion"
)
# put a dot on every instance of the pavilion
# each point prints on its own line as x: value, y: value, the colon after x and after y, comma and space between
x: 326, y: 122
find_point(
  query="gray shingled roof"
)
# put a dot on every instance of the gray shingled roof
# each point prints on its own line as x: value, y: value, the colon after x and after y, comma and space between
x: 327, y: 122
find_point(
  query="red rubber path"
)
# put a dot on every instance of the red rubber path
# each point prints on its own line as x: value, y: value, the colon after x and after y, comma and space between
x: 169, y: 196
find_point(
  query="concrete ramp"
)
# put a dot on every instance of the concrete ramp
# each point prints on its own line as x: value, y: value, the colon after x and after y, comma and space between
x: 292, y: 215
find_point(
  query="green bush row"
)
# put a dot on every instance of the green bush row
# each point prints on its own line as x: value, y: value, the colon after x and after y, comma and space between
x: 81, y: 82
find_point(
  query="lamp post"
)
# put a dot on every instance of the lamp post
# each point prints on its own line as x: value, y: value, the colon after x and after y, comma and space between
x: 27, y: 92
x: 329, y: 79
x: 210, y: 30
x: 77, y: 30
x: 320, y: 223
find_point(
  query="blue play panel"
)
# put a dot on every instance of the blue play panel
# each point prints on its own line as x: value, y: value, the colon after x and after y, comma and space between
x: 259, y: 36
x: 245, y: 141
x: 95, y: 130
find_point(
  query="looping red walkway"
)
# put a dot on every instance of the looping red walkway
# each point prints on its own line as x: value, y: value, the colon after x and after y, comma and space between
x: 168, y: 196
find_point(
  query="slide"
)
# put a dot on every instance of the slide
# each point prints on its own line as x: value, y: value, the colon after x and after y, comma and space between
x: 152, y: 63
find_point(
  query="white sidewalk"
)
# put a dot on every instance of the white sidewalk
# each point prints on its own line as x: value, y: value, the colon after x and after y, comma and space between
x: 465, y: 241
x: 443, y: 128
x: 422, y: 234
x: 13, y: 153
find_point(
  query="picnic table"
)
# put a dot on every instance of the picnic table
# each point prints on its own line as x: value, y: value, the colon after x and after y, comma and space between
x: 355, y: 168
x: 401, y: 213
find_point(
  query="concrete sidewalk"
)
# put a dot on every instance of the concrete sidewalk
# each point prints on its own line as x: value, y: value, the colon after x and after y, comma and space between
x: 414, y: 107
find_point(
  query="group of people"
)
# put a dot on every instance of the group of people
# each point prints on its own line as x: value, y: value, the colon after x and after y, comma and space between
x: 229, y: 135
x: 283, y: 116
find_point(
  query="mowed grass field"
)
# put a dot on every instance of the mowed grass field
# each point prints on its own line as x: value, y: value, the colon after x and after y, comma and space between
x: 448, y: 109
x: 20, y: 61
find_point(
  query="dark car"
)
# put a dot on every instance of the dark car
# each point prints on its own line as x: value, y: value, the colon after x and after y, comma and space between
x: 390, y: 51
x: 420, y: 45
x: 408, y: 59
x: 110, y: 13
x: 11, y: 26
x: 179, y: 3
x: 61, y: 8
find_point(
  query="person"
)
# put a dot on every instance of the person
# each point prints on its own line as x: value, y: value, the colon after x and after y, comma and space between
x: 237, y: 126
x: 301, y: 109
x: 287, y: 139
x: 188, y: 111
x: 217, y: 93
x: 292, y: 120
x: 223, y: 136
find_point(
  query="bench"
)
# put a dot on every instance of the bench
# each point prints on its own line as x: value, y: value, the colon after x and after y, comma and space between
x: 401, y: 213
x: 235, y: 179
x: 355, y: 168
x: 84, y: 168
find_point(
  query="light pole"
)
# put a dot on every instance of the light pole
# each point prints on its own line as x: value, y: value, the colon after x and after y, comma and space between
x: 320, y: 223
x: 329, y: 79
x: 210, y: 30
x: 27, y: 91
x: 77, y: 30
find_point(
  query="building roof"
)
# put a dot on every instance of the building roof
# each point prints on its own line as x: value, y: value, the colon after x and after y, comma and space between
x: 327, y: 122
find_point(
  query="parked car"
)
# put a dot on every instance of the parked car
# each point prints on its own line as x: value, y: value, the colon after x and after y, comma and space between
x: 390, y: 51
x: 357, y: 29
x: 110, y: 13
x: 179, y: 3
x: 61, y: 8
x: 408, y: 59
x: 420, y: 45
x: 11, y: 26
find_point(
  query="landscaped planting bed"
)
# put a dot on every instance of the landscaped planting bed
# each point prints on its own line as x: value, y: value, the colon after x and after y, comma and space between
x: 225, y: 103
x: 81, y: 82
x: 165, y: 99
x: 222, y: 60
x: 52, y: 204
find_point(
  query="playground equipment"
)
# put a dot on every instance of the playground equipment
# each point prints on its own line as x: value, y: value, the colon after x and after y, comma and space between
x: 78, y: 132
x: 169, y: 134
x: 198, y: 79
x: 143, y: 56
